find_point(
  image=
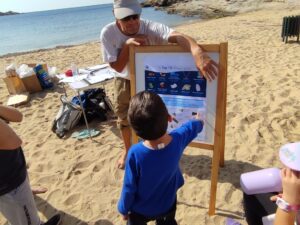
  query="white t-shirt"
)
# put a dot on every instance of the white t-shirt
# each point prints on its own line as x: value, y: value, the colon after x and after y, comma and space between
x: 112, y: 39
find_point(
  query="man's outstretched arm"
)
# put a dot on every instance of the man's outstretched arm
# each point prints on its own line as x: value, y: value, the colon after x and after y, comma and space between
x: 207, y: 67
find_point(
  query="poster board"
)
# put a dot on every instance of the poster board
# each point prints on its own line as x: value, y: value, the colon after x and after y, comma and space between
x: 170, y: 71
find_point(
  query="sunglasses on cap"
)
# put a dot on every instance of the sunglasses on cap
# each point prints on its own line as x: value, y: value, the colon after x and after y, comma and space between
x: 132, y: 17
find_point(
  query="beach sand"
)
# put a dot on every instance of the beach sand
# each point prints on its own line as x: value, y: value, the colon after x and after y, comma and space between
x: 263, y: 113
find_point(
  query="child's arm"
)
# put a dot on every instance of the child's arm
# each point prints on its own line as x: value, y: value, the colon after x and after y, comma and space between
x: 9, y: 140
x: 10, y: 114
x: 129, y: 186
x: 291, y: 194
x: 189, y: 131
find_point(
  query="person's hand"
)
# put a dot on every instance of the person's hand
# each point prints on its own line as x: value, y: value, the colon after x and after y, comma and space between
x: 198, y: 116
x: 207, y: 66
x: 273, y: 198
x: 125, y: 217
x: 138, y: 40
x: 291, y: 186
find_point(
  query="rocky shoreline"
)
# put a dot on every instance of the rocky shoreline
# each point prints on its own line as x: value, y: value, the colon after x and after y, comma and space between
x: 9, y: 13
x: 208, y: 9
x: 186, y: 8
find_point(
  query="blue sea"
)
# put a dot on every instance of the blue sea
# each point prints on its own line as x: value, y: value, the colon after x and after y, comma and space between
x: 48, y: 29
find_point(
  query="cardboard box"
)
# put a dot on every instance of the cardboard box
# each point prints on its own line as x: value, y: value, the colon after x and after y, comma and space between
x: 14, y: 85
x: 32, y: 84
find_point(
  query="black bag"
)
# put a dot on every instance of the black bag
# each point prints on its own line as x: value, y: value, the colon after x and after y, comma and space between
x: 95, y: 103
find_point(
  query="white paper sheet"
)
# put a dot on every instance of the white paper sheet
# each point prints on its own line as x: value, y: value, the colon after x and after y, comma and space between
x: 79, y: 84
x: 99, y: 76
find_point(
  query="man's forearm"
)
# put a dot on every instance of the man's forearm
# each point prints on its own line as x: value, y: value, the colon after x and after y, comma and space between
x: 203, y: 62
x: 10, y: 114
x: 186, y: 42
x: 189, y: 44
x: 122, y: 59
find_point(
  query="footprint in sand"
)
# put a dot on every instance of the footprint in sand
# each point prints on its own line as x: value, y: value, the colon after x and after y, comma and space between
x: 231, y: 115
x: 60, y: 151
x: 245, y: 77
x: 284, y: 80
x: 72, y: 199
x: 77, y: 172
x: 56, y: 194
x: 266, y: 109
x: 252, y: 118
x: 48, y: 179
x: 285, y: 93
x: 37, y: 154
x: 297, y: 115
x: 96, y: 168
x: 79, y: 147
x: 83, y: 164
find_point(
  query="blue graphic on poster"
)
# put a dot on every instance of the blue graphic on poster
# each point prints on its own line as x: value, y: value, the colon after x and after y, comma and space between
x: 183, y: 83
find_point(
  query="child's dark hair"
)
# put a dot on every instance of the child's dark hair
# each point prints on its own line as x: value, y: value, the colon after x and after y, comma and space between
x: 148, y: 115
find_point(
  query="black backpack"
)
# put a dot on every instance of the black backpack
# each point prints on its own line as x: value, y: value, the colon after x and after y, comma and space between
x: 95, y: 103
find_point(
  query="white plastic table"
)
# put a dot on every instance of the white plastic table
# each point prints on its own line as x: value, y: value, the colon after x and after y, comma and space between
x: 89, y: 78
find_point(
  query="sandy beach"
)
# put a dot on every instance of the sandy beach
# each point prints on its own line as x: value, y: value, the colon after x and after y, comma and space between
x: 263, y: 113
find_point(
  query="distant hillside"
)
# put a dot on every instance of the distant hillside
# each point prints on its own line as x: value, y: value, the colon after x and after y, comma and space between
x: 8, y: 13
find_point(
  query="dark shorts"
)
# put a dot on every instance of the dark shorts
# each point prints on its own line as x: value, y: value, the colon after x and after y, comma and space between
x: 257, y: 206
x: 164, y: 219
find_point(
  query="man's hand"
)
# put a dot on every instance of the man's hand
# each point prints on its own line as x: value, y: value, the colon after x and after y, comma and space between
x: 123, y: 57
x: 207, y: 66
x: 138, y: 40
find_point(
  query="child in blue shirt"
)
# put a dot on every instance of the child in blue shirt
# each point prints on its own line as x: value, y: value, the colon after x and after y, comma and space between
x: 152, y: 174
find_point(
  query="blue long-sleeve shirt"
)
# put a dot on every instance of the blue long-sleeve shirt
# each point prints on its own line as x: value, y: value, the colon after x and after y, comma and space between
x: 152, y: 177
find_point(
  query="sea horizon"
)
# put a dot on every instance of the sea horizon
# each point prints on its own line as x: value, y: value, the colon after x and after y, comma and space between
x: 34, y: 31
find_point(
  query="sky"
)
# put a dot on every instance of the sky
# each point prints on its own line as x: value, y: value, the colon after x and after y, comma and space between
x: 42, y: 5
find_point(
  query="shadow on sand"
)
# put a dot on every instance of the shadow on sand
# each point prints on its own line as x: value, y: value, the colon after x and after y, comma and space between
x: 199, y: 166
x: 48, y: 211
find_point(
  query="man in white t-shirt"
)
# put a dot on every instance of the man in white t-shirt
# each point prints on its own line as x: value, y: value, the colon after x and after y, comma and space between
x: 130, y: 29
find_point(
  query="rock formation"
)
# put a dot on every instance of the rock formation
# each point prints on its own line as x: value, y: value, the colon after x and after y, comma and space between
x: 8, y: 13
x: 206, y: 9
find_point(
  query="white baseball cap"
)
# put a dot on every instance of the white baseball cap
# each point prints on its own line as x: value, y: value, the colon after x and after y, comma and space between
x: 124, y: 8
x: 289, y: 155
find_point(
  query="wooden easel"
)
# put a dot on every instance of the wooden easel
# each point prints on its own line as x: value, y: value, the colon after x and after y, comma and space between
x: 217, y: 147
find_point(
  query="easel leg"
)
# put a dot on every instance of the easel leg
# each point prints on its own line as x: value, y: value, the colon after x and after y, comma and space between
x: 222, y: 160
x: 214, y: 182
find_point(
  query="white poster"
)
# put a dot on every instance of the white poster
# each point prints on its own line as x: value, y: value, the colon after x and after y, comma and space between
x: 181, y: 86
